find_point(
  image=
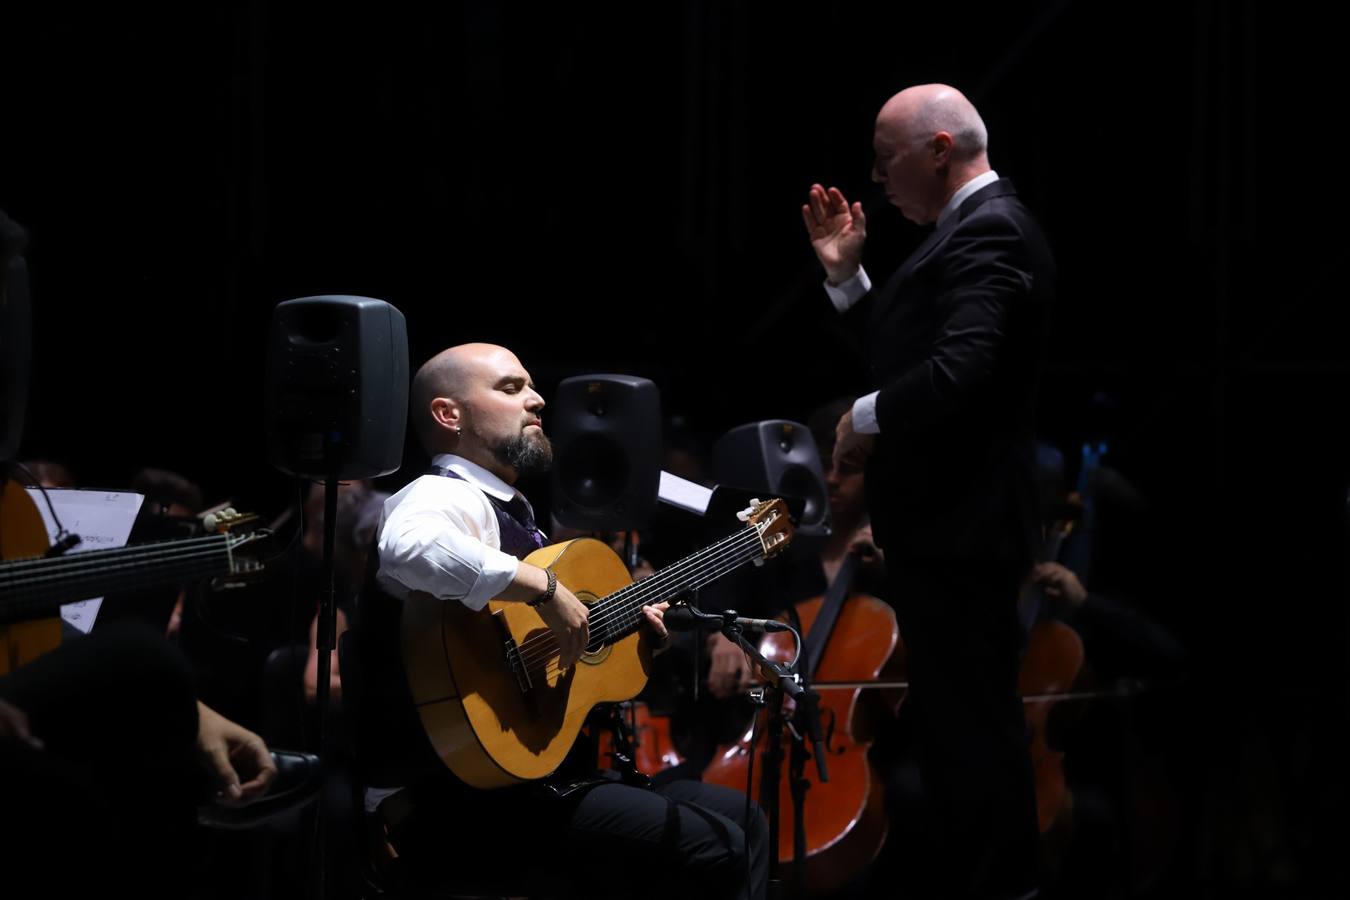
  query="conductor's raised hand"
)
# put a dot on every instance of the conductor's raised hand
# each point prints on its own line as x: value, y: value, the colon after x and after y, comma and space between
x: 837, y: 230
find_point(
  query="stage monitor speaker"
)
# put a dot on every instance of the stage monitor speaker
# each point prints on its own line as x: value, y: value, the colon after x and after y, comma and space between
x: 337, y: 387
x: 780, y: 458
x: 607, y: 451
x: 15, y: 354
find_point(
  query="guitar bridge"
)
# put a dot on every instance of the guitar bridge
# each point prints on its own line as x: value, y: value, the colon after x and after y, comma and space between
x: 517, y: 666
x: 513, y: 660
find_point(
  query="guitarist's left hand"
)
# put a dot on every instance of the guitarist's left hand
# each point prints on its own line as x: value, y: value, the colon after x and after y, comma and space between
x: 656, y: 626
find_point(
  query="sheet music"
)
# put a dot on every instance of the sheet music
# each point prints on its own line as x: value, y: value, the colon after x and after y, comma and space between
x: 102, y: 519
x: 683, y: 493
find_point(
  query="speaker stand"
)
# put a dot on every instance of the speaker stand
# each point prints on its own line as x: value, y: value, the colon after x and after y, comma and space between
x: 325, y: 641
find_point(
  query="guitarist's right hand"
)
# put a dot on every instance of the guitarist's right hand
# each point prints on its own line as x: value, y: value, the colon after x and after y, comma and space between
x: 565, y: 616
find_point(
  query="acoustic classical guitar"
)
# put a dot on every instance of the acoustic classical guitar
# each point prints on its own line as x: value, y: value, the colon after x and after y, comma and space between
x: 33, y: 586
x: 488, y: 688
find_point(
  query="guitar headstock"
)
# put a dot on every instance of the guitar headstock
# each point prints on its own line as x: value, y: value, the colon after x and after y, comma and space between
x: 226, y: 521
x: 240, y: 536
x: 770, y: 518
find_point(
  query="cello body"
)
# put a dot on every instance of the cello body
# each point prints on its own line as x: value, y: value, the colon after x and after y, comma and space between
x: 1050, y: 666
x: 845, y: 818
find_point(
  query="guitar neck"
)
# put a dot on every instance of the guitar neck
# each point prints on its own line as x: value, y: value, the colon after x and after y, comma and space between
x: 36, y: 588
x: 620, y: 613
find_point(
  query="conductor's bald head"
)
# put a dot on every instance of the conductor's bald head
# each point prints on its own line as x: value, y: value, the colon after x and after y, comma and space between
x: 929, y: 140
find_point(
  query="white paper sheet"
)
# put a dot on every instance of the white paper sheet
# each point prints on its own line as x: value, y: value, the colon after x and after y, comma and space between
x: 102, y: 519
x: 684, y: 493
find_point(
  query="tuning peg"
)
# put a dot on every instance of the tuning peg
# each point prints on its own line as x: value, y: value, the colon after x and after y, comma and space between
x: 745, y: 514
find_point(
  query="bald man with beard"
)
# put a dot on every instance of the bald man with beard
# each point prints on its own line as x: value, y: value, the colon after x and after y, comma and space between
x: 955, y: 341
x: 460, y: 533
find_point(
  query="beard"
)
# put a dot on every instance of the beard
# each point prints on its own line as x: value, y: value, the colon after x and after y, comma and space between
x: 527, y: 454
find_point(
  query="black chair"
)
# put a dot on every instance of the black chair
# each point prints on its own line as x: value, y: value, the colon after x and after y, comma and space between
x: 383, y: 873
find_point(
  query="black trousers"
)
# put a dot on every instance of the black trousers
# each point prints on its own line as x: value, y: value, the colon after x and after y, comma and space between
x: 110, y: 798
x: 684, y: 839
x: 963, y: 641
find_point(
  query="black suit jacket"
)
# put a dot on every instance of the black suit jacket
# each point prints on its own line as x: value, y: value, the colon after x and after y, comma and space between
x: 955, y: 340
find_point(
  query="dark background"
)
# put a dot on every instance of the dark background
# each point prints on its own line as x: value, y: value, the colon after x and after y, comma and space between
x: 616, y: 188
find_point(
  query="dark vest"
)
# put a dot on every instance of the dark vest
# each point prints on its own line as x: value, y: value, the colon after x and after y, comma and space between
x: 520, y: 536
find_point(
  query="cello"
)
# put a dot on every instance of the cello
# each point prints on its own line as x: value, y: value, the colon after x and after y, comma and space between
x: 1054, y: 656
x: 847, y: 637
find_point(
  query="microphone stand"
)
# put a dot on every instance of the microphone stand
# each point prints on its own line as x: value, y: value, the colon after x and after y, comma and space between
x: 808, y: 729
x: 782, y: 681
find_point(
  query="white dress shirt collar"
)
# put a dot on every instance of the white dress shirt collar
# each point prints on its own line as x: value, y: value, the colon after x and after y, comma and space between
x: 475, y: 475
x: 963, y: 192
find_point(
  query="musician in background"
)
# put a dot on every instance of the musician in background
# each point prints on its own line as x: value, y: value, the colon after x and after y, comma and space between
x: 358, y: 512
x: 460, y: 534
x: 1111, y: 744
x: 850, y: 526
x: 46, y: 473
x: 168, y: 496
x: 105, y: 749
x: 104, y: 754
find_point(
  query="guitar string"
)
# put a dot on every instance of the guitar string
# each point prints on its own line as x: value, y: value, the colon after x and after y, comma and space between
x: 617, y: 621
x: 657, y: 582
x: 82, y: 568
x: 629, y: 611
x: 634, y: 615
x: 38, y: 584
x: 728, y: 562
x: 665, y: 576
x: 553, y: 665
x: 47, y: 565
x: 35, y: 596
x: 628, y: 599
x: 713, y: 575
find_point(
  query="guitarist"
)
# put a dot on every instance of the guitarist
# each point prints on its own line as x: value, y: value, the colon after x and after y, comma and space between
x: 459, y: 533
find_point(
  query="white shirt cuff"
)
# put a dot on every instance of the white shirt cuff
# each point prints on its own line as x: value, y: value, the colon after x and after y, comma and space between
x: 849, y: 291
x: 865, y: 414
x: 498, y: 570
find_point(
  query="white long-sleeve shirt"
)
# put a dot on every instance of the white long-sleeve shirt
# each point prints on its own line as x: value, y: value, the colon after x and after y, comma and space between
x: 440, y: 535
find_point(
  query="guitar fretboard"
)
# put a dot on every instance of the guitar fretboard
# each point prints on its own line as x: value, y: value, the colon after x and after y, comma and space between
x: 35, y: 588
x: 620, y: 613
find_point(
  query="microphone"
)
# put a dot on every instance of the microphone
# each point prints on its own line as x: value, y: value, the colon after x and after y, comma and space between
x: 686, y: 618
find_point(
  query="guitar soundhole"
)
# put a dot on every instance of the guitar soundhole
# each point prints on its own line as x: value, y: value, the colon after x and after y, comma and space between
x: 600, y: 653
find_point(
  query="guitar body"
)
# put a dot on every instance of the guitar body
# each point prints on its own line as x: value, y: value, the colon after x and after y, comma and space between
x: 486, y: 727
x: 22, y: 535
